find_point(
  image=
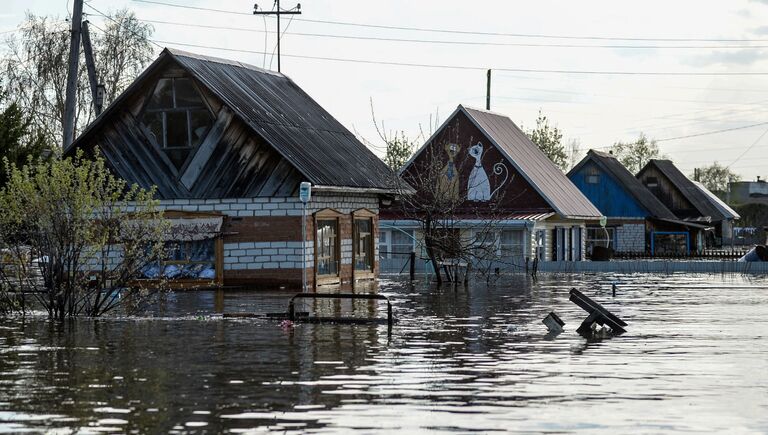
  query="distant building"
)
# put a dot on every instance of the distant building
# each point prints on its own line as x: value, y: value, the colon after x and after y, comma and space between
x: 689, y: 201
x: 497, y: 173
x: 226, y: 145
x: 748, y: 192
x: 634, y: 215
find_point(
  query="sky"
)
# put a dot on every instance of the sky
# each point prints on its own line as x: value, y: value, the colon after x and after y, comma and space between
x: 688, y: 69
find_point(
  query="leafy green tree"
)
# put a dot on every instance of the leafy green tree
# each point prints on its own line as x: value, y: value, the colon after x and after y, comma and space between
x: 17, y: 142
x: 715, y: 177
x: 550, y: 140
x: 76, y: 238
x: 635, y: 155
x: 399, y: 150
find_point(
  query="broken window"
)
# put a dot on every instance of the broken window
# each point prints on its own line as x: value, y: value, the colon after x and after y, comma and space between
x: 176, y: 118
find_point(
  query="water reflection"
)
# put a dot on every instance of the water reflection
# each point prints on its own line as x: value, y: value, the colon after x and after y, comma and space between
x: 460, y: 359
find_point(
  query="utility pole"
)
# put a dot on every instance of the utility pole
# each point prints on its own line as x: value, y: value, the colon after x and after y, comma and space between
x: 74, y: 55
x: 488, y: 92
x: 277, y: 12
x: 97, y: 89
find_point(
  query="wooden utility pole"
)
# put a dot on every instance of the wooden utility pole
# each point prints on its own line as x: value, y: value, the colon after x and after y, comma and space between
x: 488, y: 92
x: 277, y: 12
x: 74, y: 55
x: 97, y: 90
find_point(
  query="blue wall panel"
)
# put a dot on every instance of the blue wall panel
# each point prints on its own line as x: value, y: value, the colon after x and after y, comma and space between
x: 608, y: 195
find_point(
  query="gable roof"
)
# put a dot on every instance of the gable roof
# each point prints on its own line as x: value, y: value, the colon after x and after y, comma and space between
x: 280, y: 112
x: 537, y: 169
x: 633, y: 186
x: 727, y: 211
x: 700, y: 200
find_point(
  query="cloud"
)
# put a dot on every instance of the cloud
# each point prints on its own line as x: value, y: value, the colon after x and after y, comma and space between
x: 728, y: 57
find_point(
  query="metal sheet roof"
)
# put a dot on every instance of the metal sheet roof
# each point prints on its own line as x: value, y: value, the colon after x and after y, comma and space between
x: 633, y: 186
x: 288, y: 119
x: 718, y: 203
x: 551, y: 183
x: 699, y: 199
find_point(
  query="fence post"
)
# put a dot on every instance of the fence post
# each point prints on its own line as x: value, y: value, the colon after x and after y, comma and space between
x: 413, y: 266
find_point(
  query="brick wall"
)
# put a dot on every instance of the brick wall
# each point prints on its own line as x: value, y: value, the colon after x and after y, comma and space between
x: 630, y: 238
x: 262, y: 236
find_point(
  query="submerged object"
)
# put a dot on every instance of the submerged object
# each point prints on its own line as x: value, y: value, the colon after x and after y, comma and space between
x: 553, y: 323
x: 601, y: 253
x: 756, y: 254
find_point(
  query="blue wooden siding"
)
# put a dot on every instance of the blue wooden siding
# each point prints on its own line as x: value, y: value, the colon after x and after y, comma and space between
x: 608, y: 195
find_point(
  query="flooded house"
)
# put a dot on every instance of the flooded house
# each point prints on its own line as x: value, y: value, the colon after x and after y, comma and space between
x: 227, y: 145
x: 501, y: 183
x: 636, y: 218
x: 690, y: 201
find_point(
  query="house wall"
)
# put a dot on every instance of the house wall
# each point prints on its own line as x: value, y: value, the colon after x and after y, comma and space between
x: 668, y: 194
x: 608, y: 195
x: 262, y: 236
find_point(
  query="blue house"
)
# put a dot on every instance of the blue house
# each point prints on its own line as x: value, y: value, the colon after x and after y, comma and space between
x: 637, y: 221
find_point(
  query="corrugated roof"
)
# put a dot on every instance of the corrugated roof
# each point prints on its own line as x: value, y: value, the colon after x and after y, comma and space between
x: 279, y: 111
x: 634, y: 187
x: 722, y: 206
x: 548, y: 180
x: 700, y: 200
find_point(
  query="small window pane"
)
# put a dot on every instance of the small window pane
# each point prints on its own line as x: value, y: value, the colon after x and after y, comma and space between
x: 327, y: 255
x: 154, y: 123
x: 363, y: 244
x: 200, y: 122
x: 186, y: 94
x: 176, y: 125
x: 162, y: 97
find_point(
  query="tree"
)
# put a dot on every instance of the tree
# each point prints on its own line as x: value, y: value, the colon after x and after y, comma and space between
x: 399, y: 150
x: 17, y: 142
x: 715, y: 177
x: 549, y: 139
x: 76, y: 238
x: 34, y: 68
x: 635, y: 155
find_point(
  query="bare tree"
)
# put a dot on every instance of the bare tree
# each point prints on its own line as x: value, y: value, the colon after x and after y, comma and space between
x: 433, y: 194
x: 34, y: 68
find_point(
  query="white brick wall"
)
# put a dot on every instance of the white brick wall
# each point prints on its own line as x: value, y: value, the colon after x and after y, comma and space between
x: 268, y: 254
x: 630, y: 238
x: 249, y: 207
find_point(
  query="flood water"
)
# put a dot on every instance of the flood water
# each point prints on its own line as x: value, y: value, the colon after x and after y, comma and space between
x: 694, y: 359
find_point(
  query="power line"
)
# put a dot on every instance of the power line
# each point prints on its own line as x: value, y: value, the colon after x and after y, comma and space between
x: 749, y: 148
x: 712, y: 132
x: 447, y: 42
x: 467, y: 32
x: 476, y: 68
x: 119, y: 24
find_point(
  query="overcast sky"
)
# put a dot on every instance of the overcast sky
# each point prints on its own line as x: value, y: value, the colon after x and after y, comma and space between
x: 594, y: 109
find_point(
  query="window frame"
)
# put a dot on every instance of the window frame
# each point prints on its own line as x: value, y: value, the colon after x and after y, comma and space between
x: 161, y: 144
x: 369, y: 270
x: 320, y: 216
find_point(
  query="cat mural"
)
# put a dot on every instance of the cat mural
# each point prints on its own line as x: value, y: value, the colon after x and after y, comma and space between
x: 478, y: 185
x: 449, y: 181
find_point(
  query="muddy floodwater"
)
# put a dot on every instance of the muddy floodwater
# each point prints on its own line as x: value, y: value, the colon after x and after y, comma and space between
x: 694, y: 359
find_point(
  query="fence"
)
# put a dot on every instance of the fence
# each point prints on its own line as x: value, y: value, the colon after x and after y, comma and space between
x: 709, y: 254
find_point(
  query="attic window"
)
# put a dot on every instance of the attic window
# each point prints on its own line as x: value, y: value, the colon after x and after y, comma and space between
x: 176, y: 118
x: 651, y: 182
x: 593, y: 178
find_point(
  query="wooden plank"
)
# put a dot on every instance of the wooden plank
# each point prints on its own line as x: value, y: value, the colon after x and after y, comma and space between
x: 205, y: 150
x: 597, y: 313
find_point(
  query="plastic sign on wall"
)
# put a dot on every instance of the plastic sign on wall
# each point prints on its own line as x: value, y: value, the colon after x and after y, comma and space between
x: 305, y: 192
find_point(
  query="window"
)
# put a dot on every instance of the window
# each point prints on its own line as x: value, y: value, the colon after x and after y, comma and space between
x: 512, y: 243
x: 327, y: 254
x: 652, y: 182
x: 186, y: 260
x: 599, y: 237
x: 401, y: 244
x: 593, y: 179
x: 363, y: 244
x: 176, y: 118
